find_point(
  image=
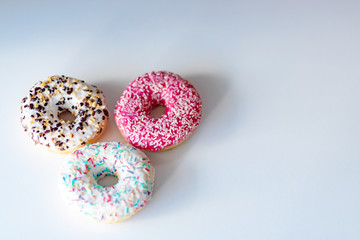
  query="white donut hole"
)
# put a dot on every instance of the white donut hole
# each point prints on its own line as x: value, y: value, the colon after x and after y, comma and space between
x: 157, y: 111
x: 102, y: 174
x: 107, y: 180
x: 67, y: 116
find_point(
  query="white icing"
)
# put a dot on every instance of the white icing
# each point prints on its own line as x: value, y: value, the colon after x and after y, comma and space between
x: 40, y: 110
x: 108, y: 204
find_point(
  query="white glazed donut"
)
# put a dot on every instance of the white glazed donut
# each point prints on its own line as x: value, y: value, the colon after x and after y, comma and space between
x: 108, y: 204
x: 41, y: 108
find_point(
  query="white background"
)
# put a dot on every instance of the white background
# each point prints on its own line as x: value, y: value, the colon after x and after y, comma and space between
x: 277, y: 153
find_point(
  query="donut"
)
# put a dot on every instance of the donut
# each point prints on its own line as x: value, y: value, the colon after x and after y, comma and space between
x: 80, y: 189
x: 46, y: 100
x: 183, y: 111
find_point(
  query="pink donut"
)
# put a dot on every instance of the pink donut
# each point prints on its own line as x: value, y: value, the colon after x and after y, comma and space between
x: 182, y: 117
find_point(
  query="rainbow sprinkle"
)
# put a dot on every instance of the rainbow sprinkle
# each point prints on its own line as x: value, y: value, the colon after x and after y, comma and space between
x: 108, y: 204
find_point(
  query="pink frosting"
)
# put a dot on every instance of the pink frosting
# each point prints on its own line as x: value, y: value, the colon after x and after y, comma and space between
x: 182, y: 117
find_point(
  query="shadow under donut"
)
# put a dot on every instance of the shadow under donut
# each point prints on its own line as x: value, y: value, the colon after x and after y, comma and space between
x: 220, y: 106
x: 112, y: 90
x: 176, y: 178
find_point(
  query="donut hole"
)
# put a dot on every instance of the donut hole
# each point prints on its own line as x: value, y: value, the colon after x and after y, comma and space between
x: 66, y: 115
x: 107, y: 180
x: 157, y: 111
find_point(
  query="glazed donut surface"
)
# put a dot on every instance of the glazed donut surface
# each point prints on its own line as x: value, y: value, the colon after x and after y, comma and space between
x: 108, y: 204
x: 182, y: 117
x: 46, y: 100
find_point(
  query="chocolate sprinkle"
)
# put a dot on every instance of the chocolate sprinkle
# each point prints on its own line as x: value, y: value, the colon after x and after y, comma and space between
x: 38, y: 117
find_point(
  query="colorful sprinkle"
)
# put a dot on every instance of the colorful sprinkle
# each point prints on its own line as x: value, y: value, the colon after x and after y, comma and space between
x: 41, y: 108
x: 183, y: 111
x: 108, y: 204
